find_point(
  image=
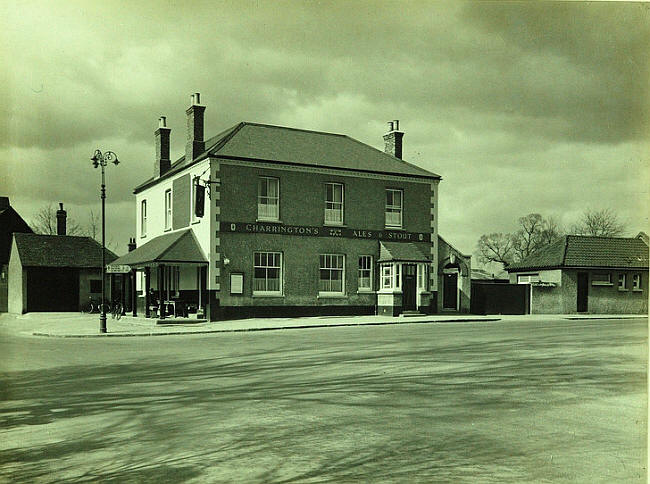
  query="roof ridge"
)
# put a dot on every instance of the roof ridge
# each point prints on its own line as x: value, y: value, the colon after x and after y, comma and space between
x: 249, y: 123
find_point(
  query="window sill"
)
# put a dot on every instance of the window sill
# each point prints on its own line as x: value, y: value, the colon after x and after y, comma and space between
x: 366, y: 291
x: 272, y: 294
x: 143, y: 236
x: 194, y: 222
x: 620, y: 289
x: 269, y: 221
x: 386, y: 291
x: 602, y: 284
x: 637, y: 290
x: 167, y: 230
x: 331, y: 295
x: 332, y: 224
x: 388, y: 227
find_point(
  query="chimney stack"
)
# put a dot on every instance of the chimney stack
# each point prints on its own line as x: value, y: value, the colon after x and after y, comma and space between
x: 195, y: 116
x: 393, y: 139
x: 163, y: 162
x: 131, y: 245
x: 61, y: 216
x: 4, y: 203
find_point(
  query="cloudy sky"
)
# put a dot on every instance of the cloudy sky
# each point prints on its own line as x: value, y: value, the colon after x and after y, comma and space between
x: 521, y: 107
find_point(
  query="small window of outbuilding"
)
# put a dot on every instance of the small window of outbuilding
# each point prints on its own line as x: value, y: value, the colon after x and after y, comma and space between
x: 601, y: 279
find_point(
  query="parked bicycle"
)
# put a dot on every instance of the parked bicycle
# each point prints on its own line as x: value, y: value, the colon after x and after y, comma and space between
x: 94, y: 306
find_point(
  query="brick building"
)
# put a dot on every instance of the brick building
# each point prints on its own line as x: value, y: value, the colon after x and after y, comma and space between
x: 584, y: 274
x: 296, y: 222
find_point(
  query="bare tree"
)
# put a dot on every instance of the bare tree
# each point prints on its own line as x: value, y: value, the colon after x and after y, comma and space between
x: 495, y: 247
x: 45, y: 222
x: 604, y: 223
x: 93, y: 225
x: 534, y: 233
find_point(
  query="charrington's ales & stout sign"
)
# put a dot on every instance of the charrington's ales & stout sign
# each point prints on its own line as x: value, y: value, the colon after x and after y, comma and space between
x: 312, y: 231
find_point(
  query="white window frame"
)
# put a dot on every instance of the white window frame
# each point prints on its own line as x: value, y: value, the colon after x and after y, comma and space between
x: 423, y: 277
x: 168, y: 209
x: 390, y: 277
x: 334, y: 209
x: 326, y: 263
x: 143, y: 218
x: 622, y: 282
x: 392, y: 208
x: 275, y: 264
x: 365, y: 267
x: 607, y: 282
x: 264, y: 214
x: 636, y: 282
x: 527, y: 278
x: 386, y: 272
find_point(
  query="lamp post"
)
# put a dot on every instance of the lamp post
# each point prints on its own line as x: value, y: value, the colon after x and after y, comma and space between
x: 102, y: 159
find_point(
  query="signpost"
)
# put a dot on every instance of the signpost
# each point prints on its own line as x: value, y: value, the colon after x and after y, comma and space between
x: 118, y: 269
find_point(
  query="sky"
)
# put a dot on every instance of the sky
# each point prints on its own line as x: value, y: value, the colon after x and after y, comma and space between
x: 534, y: 107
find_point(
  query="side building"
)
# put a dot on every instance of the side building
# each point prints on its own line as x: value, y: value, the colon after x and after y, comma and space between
x: 10, y: 222
x: 584, y: 274
x: 52, y: 273
x: 295, y: 222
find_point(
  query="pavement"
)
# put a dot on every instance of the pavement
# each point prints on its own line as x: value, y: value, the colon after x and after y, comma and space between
x: 77, y: 325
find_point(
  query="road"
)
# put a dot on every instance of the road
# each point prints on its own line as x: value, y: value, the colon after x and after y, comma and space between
x: 516, y: 401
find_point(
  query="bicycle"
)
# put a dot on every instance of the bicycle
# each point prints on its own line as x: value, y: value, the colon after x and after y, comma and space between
x: 93, y: 306
x: 117, y: 310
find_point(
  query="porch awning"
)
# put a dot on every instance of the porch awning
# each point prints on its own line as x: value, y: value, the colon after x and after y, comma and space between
x: 401, y: 252
x: 174, y: 248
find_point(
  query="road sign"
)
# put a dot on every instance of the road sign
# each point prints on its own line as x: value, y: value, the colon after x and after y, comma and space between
x: 118, y: 269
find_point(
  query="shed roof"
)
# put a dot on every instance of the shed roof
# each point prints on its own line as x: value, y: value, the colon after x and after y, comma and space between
x: 278, y: 144
x: 588, y: 251
x: 36, y: 250
x: 175, y: 247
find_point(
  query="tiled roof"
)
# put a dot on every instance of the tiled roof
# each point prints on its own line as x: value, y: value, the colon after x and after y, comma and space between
x: 587, y: 251
x: 267, y: 143
x: 37, y: 250
x: 180, y: 246
x: 400, y: 251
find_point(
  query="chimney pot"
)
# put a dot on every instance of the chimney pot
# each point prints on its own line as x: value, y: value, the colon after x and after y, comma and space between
x: 162, y: 122
x: 195, y: 119
x: 393, y: 140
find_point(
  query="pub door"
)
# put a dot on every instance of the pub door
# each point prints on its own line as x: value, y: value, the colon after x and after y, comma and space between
x: 450, y: 291
x: 409, y: 287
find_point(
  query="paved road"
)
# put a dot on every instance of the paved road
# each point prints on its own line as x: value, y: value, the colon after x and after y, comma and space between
x: 516, y: 401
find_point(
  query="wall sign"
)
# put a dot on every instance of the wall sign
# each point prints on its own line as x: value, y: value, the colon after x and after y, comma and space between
x: 236, y: 283
x: 312, y: 231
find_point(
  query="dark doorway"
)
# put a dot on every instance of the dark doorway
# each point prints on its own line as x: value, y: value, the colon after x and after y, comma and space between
x: 52, y: 289
x: 583, y: 292
x: 450, y: 291
x: 409, y: 287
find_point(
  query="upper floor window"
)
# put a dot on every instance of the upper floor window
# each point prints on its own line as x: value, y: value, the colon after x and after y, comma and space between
x: 268, y: 199
x: 332, y: 273
x: 365, y: 273
x: 622, y: 281
x: 636, y: 282
x: 394, y: 202
x: 143, y: 218
x: 267, y: 276
x: 334, y: 203
x: 168, y: 209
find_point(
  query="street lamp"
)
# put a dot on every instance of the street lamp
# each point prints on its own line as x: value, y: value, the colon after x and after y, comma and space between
x: 101, y: 159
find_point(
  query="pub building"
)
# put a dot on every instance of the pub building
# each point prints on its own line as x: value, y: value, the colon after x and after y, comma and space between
x: 264, y: 220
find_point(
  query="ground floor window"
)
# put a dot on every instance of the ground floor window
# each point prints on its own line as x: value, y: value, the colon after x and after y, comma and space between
x: 267, y: 276
x: 636, y: 282
x: 331, y: 273
x: 622, y: 282
x: 365, y: 273
x: 423, y: 276
x: 601, y: 279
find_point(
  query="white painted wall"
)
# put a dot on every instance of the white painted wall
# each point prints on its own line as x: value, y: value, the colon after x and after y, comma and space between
x: 155, y: 196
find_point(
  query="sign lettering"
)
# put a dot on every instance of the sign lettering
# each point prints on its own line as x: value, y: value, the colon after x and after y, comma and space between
x: 312, y: 231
